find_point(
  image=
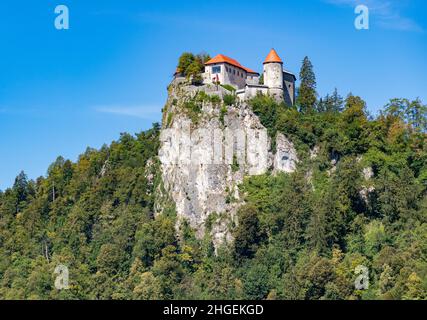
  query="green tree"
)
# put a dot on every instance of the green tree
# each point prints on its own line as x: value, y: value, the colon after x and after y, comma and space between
x: 331, y: 103
x: 148, y: 288
x: 192, y: 66
x: 307, y: 95
x: 413, y: 112
x: 21, y: 191
x: 184, y: 62
x: 355, y: 125
x: 256, y: 282
x: 415, y: 290
x: 247, y: 235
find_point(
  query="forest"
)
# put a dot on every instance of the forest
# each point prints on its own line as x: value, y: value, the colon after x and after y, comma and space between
x: 358, y: 198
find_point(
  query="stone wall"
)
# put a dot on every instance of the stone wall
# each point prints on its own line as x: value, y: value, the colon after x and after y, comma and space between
x: 289, y: 88
x: 251, y: 91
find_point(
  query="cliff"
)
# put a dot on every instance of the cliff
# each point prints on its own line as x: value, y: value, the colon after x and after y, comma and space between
x: 208, y: 143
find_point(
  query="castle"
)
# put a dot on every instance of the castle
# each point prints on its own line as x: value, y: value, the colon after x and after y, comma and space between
x: 276, y: 81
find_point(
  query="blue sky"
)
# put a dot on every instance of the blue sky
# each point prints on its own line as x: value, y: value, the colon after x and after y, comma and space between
x: 61, y: 91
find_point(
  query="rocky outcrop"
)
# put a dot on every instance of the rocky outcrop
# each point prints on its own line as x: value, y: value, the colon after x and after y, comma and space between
x: 286, y: 158
x: 367, y: 187
x: 207, y: 149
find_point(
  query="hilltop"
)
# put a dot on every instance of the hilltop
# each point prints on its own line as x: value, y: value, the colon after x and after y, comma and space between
x: 319, y: 188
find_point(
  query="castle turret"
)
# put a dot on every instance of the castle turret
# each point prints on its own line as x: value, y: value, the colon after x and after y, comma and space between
x: 273, y: 71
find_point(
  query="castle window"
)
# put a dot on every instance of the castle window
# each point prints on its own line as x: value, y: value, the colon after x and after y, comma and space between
x: 216, y: 69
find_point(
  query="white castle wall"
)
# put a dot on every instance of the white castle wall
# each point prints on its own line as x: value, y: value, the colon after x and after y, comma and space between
x: 273, y: 75
x: 228, y: 75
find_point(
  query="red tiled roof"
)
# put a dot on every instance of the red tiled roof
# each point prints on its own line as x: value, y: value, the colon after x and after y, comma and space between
x: 224, y: 59
x: 273, y: 57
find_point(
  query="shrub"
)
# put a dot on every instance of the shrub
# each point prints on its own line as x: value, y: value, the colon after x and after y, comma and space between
x: 215, y: 99
x: 169, y: 119
x: 268, y: 111
x: 222, y: 114
x: 229, y: 99
x: 193, y: 110
x: 235, y: 165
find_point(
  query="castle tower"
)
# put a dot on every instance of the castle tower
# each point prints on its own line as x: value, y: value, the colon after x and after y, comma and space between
x: 273, y: 71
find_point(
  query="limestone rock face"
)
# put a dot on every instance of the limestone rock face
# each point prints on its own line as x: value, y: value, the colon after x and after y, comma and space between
x: 368, y: 173
x: 286, y: 158
x: 205, y: 156
x: 367, y: 187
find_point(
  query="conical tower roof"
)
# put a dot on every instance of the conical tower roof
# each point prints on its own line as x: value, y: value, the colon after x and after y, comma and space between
x: 273, y: 57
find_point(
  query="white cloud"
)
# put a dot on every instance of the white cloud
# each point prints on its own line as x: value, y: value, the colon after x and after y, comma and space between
x: 143, y: 112
x: 386, y: 13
